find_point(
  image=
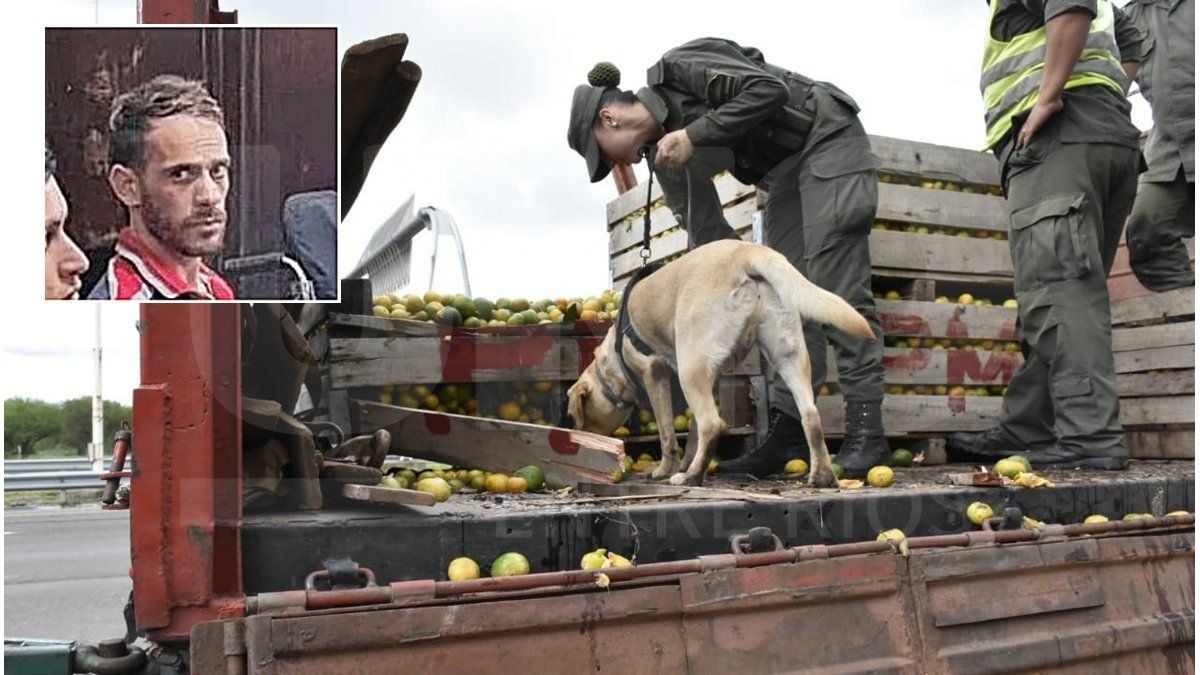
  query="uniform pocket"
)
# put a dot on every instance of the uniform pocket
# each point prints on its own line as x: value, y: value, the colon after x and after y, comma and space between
x: 839, y: 197
x: 1069, y: 386
x: 1049, y: 242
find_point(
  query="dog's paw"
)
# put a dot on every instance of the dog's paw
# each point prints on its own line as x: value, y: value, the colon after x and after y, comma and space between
x: 824, y: 478
x: 662, y: 471
x: 682, y: 478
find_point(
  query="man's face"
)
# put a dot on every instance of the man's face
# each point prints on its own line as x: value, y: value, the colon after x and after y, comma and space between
x: 184, y: 183
x: 65, y: 263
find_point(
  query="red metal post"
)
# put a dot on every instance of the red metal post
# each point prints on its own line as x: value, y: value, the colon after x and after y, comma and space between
x: 185, y: 495
x: 183, y: 11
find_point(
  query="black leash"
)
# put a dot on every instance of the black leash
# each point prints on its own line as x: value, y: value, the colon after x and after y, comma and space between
x: 646, y: 152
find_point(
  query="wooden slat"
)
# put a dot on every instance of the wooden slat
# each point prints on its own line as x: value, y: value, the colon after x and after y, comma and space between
x: 901, y: 253
x: 941, y: 366
x: 929, y: 253
x: 938, y: 162
x: 402, y: 326
x: 377, y: 362
x: 728, y: 190
x: 567, y: 457
x: 909, y: 204
x: 1149, y: 337
x: 897, y: 156
x: 1170, y: 383
x: 1158, y: 358
x: 740, y: 219
x: 1161, y: 443
x: 1179, y: 302
x: 1140, y: 412
x: 920, y: 414
x: 946, y: 320
x: 385, y: 361
x: 621, y: 238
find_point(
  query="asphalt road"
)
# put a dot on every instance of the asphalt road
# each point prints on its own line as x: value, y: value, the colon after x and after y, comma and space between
x: 66, y: 573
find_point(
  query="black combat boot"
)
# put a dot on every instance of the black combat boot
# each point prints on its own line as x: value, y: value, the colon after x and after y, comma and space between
x: 865, y: 445
x: 1059, y: 456
x: 784, y: 441
x: 991, y: 444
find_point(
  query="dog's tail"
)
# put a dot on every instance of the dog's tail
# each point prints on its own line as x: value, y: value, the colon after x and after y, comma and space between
x: 803, y: 296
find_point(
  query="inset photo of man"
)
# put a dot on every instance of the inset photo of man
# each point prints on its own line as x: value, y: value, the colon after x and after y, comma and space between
x: 191, y: 163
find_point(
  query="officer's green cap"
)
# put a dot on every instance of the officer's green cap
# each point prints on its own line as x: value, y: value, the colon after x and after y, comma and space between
x: 584, y: 106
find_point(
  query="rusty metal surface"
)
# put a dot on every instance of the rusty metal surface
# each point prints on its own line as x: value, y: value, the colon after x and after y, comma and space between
x: 183, y: 11
x: 1121, y: 602
x: 185, y: 499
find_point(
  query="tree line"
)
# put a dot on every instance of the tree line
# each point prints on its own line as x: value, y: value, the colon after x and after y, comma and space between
x: 34, y: 428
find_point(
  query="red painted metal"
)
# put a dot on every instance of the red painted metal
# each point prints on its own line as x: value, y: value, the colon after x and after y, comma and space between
x: 183, y: 11
x: 185, y: 497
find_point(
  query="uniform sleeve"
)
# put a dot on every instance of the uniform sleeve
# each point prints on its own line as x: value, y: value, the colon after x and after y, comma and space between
x: 739, y: 93
x: 1132, y: 41
x: 1052, y: 8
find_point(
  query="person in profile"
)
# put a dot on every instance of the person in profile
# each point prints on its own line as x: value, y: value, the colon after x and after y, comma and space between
x: 65, y: 262
x: 169, y: 166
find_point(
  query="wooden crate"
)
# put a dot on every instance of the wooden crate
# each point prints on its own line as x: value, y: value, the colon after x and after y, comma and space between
x: 894, y: 254
x: 1155, y: 354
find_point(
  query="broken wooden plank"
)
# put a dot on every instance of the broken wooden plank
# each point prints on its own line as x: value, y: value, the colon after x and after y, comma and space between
x: 382, y: 494
x: 566, y: 456
x: 1150, y: 337
x: 910, y: 204
x: 1179, y: 302
x: 946, y: 320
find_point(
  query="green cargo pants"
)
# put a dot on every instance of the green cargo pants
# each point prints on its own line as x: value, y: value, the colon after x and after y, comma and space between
x: 1067, y: 205
x: 1163, y: 215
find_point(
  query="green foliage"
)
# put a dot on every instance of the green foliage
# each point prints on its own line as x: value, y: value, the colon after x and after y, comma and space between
x: 57, y: 429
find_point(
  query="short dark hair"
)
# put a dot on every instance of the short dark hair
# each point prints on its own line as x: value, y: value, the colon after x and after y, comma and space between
x: 51, y: 165
x: 163, y: 96
x: 610, y: 96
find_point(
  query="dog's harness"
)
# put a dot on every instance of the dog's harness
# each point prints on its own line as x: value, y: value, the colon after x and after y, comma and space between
x: 625, y: 330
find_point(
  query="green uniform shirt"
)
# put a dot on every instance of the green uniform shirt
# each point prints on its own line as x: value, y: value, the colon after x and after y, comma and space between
x: 726, y: 95
x: 1168, y: 81
x: 1091, y: 114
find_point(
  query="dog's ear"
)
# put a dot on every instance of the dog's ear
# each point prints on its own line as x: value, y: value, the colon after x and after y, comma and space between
x: 576, y: 399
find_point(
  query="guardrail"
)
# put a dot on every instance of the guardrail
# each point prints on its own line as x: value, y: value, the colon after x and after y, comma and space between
x: 12, y: 466
x: 50, y: 474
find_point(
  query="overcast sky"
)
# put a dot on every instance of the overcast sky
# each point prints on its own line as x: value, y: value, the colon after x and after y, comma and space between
x: 485, y: 136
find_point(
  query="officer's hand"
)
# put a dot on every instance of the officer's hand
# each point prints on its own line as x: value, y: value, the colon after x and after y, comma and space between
x: 674, y: 149
x: 1041, y: 113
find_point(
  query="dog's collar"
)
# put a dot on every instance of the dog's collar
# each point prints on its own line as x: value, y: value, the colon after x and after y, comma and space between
x: 609, y: 393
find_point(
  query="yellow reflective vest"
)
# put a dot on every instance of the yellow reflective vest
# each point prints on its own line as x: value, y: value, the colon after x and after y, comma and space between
x: 1012, y: 71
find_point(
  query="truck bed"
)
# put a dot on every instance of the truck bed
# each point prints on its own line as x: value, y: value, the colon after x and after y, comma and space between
x: 407, y: 542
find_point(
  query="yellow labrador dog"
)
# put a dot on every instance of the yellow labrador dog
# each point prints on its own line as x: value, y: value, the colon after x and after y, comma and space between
x: 694, y: 316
